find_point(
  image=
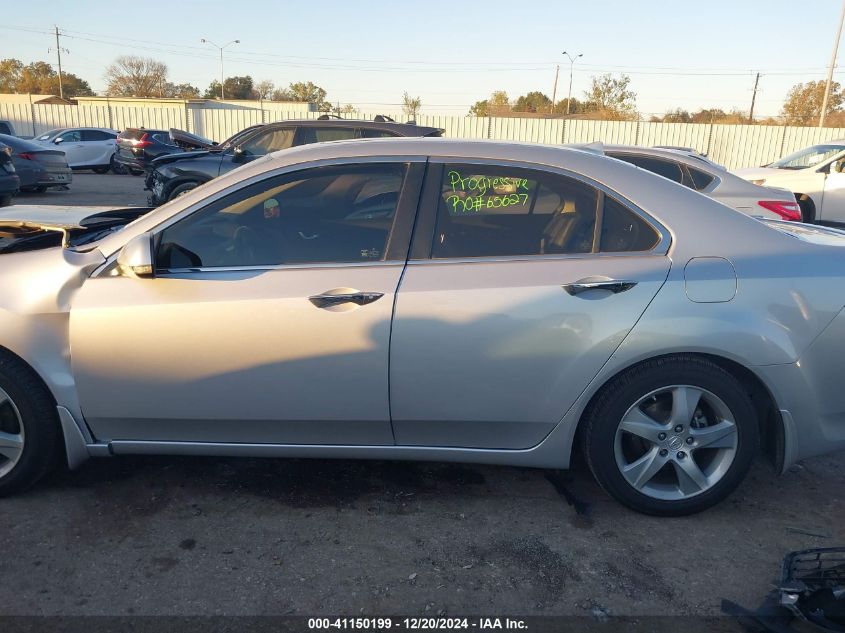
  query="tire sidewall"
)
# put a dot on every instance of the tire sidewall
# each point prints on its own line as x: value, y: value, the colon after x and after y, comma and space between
x: 624, y: 392
x: 182, y: 188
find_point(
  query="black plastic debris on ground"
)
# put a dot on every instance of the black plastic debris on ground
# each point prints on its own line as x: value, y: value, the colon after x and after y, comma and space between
x: 813, y: 586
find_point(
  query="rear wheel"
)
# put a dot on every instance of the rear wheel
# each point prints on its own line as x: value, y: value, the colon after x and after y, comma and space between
x: 116, y: 168
x: 808, y: 209
x: 671, y: 436
x: 29, y: 428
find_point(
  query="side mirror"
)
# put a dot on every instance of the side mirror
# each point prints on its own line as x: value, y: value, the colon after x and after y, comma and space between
x: 58, y: 140
x: 136, y: 257
x: 238, y: 154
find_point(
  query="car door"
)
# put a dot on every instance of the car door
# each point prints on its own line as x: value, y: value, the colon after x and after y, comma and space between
x: 71, y: 144
x: 267, y: 320
x: 833, y: 200
x: 522, y: 282
x: 98, y: 148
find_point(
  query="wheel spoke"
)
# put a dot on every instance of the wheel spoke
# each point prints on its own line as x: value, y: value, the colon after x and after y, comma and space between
x: 11, y: 446
x: 638, y: 423
x: 691, y: 479
x: 684, y: 402
x: 640, y: 472
x: 720, y: 435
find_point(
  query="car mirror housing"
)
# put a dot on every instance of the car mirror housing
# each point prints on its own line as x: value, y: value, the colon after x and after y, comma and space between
x: 58, y: 140
x: 136, y: 257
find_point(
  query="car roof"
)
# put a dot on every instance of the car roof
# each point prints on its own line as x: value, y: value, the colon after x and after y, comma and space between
x: 403, y: 129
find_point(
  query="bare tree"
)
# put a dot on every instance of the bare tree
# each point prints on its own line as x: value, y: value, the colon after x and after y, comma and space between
x: 265, y: 89
x: 131, y: 76
x: 411, y: 105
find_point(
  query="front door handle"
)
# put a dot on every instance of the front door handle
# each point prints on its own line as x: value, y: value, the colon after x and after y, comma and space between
x: 613, y: 285
x: 332, y: 298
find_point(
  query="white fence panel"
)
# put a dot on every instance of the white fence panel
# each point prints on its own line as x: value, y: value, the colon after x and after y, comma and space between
x: 457, y: 126
x: 616, y: 132
x: 695, y: 135
x: 20, y: 115
x: 158, y: 118
x: 549, y: 131
x: 218, y: 124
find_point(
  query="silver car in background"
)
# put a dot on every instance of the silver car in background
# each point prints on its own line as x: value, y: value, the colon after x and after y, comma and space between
x: 427, y: 299
x: 698, y: 173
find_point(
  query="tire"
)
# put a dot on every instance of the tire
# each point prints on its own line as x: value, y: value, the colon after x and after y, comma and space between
x: 117, y: 168
x: 808, y: 209
x: 181, y: 190
x: 102, y: 169
x: 26, y: 405
x: 39, y: 189
x: 135, y: 172
x: 658, y: 466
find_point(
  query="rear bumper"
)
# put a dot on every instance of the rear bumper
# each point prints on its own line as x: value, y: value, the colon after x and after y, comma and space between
x: 811, y: 396
x: 9, y: 183
x: 130, y: 160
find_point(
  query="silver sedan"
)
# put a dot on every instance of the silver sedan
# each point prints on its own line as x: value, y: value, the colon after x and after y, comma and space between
x: 427, y: 299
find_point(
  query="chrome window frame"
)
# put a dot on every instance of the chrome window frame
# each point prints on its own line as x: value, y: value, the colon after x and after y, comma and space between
x: 660, y: 249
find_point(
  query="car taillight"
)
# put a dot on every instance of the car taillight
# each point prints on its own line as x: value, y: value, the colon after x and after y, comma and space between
x: 786, y: 210
x: 144, y: 141
x: 25, y: 156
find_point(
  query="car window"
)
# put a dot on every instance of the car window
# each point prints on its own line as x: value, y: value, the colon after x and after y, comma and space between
x: 808, y: 157
x: 622, y: 230
x: 164, y: 138
x: 321, y: 134
x: 365, y: 133
x: 665, y: 168
x: 96, y: 135
x: 49, y: 135
x: 269, y: 141
x: 496, y: 211
x: 700, y: 179
x: 324, y: 215
x: 71, y: 136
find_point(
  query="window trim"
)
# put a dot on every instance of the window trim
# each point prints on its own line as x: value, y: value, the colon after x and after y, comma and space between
x: 398, y: 238
x: 422, y: 241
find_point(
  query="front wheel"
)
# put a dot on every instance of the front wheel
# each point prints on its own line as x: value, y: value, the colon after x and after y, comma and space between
x: 671, y: 436
x: 29, y: 428
x: 181, y: 190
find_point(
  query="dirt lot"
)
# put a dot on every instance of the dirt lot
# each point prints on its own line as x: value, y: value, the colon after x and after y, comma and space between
x: 169, y: 535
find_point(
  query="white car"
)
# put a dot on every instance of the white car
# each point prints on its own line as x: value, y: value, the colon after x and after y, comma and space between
x: 814, y: 175
x: 712, y: 180
x: 84, y: 147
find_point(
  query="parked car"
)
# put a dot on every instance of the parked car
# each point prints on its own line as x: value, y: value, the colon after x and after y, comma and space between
x: 815, y: 175
x: 37, y: 167
x: 137, y: 147
x: 172, y: 176
x: 692, y: 153
x: 9, y: 181
x: 84, y: 147
x: 711, y: 180
x: 6, y: 127
x: 428, y: 299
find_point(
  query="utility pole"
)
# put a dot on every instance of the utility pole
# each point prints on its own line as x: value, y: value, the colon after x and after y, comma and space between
x: 571, y: 68
x: 59, y: 54
x: 753, y: 99
x: 830, y: 68
x: 554, y: 90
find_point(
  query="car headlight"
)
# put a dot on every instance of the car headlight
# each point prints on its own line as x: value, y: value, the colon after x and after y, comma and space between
x: 759, y: 181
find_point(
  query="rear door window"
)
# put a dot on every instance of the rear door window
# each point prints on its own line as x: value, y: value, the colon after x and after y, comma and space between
x: 665, y: 168
x: 96, y: 135
x: 308, y: 135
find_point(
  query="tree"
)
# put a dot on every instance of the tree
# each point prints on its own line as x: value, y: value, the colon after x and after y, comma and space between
x: 181, y: 91
x: 233, y: 88
x: 803, y: 103
x: 411, y: 105
x: 575, y: 107
x: 265, y: 89
x: 303, y: 92
x: 498, y: 103
x: 677, y: 116
x: 39, y: 78
x: 532, y: 102
x: 133, y: 76
x: 611, y: 97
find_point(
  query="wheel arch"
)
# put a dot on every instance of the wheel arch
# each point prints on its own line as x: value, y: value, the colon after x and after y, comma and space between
x: 770, y: 423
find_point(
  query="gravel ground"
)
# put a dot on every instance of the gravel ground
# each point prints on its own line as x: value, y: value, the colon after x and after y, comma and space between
x: 163, y: 535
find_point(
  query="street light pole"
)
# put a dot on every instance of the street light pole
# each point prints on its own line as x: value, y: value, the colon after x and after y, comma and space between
x: 571, y: 69
x: 220, y: 48
x: 830, y: 68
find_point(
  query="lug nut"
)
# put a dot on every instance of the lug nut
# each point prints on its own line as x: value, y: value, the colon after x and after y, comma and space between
x: 679, y: 428
x: 661, y: 436
x: 663, y: 452
x: 690, y: 440
x: 681, y: 454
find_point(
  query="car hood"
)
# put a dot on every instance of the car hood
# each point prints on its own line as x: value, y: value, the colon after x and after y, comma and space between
x: 33, y: 227
x: 173, y: 158
x: 190, y: 140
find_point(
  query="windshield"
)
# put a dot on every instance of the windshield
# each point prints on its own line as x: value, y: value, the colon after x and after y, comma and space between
x: 49, y: 135
x: 808, y: 157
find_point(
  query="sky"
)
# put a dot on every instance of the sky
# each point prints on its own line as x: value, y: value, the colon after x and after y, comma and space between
x: 450, y: 53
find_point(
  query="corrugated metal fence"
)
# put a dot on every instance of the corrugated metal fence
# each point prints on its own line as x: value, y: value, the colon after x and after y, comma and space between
x: 734, y: 146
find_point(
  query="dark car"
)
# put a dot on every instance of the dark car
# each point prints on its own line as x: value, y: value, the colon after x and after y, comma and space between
x: 9, y: 181
x: 137, y: 147
x: 171, y: 176
x: 37, y: 167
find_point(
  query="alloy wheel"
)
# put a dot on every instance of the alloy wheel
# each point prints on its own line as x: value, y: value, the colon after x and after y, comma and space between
x: 11, y: 434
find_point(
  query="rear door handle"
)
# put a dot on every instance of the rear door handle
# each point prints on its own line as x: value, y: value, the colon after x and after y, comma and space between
x: 329, y: 298
x: 613, y: 285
